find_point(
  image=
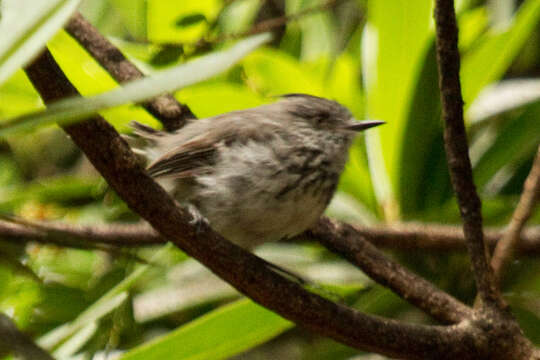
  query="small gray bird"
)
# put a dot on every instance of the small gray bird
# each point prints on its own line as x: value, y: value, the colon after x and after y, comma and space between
x: 260, y: 174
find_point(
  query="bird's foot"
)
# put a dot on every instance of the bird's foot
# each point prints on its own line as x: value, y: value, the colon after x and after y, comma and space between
x: 198, y: 220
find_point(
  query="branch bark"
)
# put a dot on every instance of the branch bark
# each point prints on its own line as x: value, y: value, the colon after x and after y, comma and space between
x: 507, y: 245
x: 22, y: 345
x: 247, y: 273
x: 165, y: 108
x: 457, y: 152
x: 341, y: 239
x: 406, y: 237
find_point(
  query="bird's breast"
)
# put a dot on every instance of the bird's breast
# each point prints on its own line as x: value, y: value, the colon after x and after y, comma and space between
x: 257, y: 193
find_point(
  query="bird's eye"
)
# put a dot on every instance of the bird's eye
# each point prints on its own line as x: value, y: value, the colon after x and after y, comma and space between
x: 321, y: 119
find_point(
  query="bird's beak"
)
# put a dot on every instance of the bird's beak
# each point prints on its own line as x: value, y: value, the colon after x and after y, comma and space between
x: 362, y: 125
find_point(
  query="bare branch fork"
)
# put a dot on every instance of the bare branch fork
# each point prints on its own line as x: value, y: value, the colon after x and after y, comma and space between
x: 489, y: 333
x: 493, y: 310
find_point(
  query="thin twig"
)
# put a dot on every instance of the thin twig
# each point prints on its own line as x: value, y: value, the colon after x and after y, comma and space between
x: 260, y: 27
x: 165, y: 108
x: 440, y: 238
x: 457, y: 151
x: 407, y: 237
x: 270, y: 24
x: 113, y: 158
x: 507, y: 245
x: 21, y: 344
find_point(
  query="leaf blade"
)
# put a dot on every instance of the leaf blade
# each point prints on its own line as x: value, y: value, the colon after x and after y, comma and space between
x: 25, y: 27
x: 220, y: 334
x: 76, y: 108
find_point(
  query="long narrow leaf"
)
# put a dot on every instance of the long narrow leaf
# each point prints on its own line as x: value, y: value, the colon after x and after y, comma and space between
x: 103, y: 306
x: 76, y: 108
x: 396, y: 38
x: 220, y: 334
x: 26, y: 25
x: 496, y: 51
x: 505, y: 96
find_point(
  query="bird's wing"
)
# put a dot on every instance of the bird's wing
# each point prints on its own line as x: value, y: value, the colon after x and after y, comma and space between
x: 187, y: 159
x: 194, y: 155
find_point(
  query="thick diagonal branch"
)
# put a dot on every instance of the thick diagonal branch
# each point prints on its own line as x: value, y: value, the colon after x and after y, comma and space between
x: 506, y: 247
x: 114, y: 160
x: 457, y: 151
x: 165, y: 108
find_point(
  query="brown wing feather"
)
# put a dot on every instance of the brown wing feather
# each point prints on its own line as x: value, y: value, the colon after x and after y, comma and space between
x: 197, y: 154
x: 184, y: 160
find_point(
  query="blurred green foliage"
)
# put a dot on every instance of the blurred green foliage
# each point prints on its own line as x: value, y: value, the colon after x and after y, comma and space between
x: 375, y: 57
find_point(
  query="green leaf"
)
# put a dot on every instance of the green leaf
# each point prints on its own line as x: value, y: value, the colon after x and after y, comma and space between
x: 59, y: 189
x: 169, y: 54
x: 220, y: 334
x: 25, y: 26
x: 77, y: 341
x: 231, y: 97
x: 495, y: 211
x: 509, y: 146
x: 96, y: 311
x: 168, y: 21
x: 423, y: 179
x: 496, y: 51
x: 356, y: 179
x: 238, y: 16
x: 471, y: 25
x: 190, y: 19
x: 505, y: 96
x: 529, y: 320
x: 133, y: 16
x: 18, y: 96
x: 274, y: 72
x: 317, y: 31
x: 165, y: 81
x: 395, y: 41
x: 103, y: 306
x: 90, y: 78
x: 19, y: 295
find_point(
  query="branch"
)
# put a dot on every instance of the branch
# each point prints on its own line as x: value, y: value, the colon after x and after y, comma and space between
x: 457, y: 152
x: 440, y: 238
x: 407, y: 237
x: 79, y: 236
x: 260, y: 27
x: 343, y: 240
x: 507, y: 245
x: 270, y: 24
x: 112, y: 157
x: 165, y: 108
x: 21, y: 344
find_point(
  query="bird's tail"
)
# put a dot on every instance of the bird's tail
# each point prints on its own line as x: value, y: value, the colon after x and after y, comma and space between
x: 143, y: 140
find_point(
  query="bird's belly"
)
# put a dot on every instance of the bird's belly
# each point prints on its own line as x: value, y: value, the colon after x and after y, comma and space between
x: 264, y: 219
x: 254, y: 196
x: 252, y: 214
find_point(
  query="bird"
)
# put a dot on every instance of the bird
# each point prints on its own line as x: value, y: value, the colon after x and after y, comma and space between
x: 256, y: 175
